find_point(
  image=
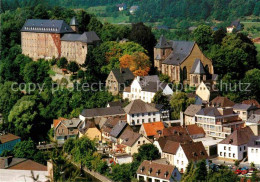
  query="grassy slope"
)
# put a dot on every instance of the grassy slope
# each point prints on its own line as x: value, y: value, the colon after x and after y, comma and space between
x: 249, y: 25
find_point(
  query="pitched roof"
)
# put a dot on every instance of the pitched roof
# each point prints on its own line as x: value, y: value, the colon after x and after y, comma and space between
x: 73, y: 21
x: 163, y: 43
x: 235, y: 23
x: 57, y: 121
x: 123, y: 74
x: 154, y: 86
x: 222, y: 102
x: 118, y: 128
x: 209, y: 111
x: 139, y: 106
x: 194, y: 129
x: 115, y: 103
x: 197, y: 67
x: 129, y: 138
x: 86, y: 37
x: 151, y: 129
x: 254, y: 142
x: 239, y: 137
x: 4, y: 138
x: 71, y: 123
x: 192, y: 109
x: 252, y: 102
x: 158, y: 170
x: 245, y: 107
x: 171, y: 147
x: 110, y: 123
x: 254, y: 118
x: 107, y: 111
x: 176, y: 133
x: 194, y: 151
x: 46, y: 26
x: 85, y: 125
x: 181, y: 50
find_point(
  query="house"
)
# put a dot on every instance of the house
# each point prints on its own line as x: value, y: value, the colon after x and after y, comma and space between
x: 169, y: 150
x: 195, y: 131
x: 253, y: 150
x: 210, y: 144
x: 243, y: 110
x: 114, y: 104
x: 118, y: 79
x: 65, y: 129
x: 234, y: 26
x: 182, y: 61
x: 133, y: 9
x: 89, y: 129
x: 118, y: 129
x: 254, y: 123
x: 189, y: 152
x: 8, y: 141
x: 157, y: 171
x: 97, y: 113
x: 132, y: 141
x: 252, y: 102
x: 123, y: 158
x: 234, y: 147
x: 149, y: 130
x: 139, y: 112
x: 164, y: 111
x: 55, y: 38
x: 20, y: 169
x: 145, y: 87
x: 121, y: 7
x: 206, y: 91
x: 190, y: 112
x: 218, y: 122
x: 221, y: 102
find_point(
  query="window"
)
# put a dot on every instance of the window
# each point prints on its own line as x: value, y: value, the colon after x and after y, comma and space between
x: 252, y: 150
x: 137, y: 115
x: 181, y: 162
x: 229, y: 155
x: 149, y: 120
x: 177, y: 161
x: 229, y: 148
x: 240, y: 148
x: 149, y: 114
x: 142, y: 120
x: 225, y: 147
x: 138, y: 121
x: 256, y: 150
x: 142, y: 114
x: 133, y: 115
x: 139, y: 142
x: 234, y: 155
x: 153, y: 119
x: 144, y: 142
x: 220, y: 154
x: 244, y: 147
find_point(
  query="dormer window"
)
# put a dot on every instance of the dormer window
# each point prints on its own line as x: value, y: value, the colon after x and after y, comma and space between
x: 202, y: 153
x: 142, y: 169
x: 158, y: 172
x: 166, y: 174
x: 150, y: 170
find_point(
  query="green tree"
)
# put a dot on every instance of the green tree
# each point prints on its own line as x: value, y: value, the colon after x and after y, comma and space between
x: 25, y: 149
x: 203, y: 37
x: 160, y: 98
x: 73, y: 67
x: 224, y: 175
x: 62, y: 62
x: 201, y: 171
x: 121, y: 173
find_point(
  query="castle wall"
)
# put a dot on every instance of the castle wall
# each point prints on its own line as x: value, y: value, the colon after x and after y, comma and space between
x: 40, y: 45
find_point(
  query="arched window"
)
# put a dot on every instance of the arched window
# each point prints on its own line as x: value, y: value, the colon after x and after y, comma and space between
x: 184, y: 73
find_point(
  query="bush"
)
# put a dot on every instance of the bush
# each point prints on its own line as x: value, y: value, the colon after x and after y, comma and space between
x: 62, y: 62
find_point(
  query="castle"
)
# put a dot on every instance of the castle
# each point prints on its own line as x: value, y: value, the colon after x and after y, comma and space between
x: 49, y: 39
x: 183, y: 62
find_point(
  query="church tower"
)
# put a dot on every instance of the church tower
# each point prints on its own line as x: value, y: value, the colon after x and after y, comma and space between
x: 74, y: 24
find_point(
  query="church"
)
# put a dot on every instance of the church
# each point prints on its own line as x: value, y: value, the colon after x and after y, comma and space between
x: 49, y: 39
x: 183, y: 62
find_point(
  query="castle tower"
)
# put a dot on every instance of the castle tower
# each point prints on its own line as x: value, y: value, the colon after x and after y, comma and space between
x: 74, y: 24
x: 161, y: 51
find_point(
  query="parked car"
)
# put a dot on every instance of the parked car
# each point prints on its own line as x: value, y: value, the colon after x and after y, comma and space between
x: 238, y: 171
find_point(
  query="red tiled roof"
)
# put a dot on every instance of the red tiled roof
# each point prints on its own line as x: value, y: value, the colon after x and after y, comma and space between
x: 57, y: 121
x: 171, y: 147
x: 251, y: 102
x: 29, y: 165
x: 222, y: 102
x: 152, y: 128
x: 8, y: 137
x: 194, y: 129
x: 194, y: 151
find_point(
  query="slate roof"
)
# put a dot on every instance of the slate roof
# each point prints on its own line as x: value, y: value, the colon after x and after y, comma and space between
x: 194, y: 151
x: 74, y: 22
x: 165, y: 170
x: 254, y: 118
x: 209, y: 111
x: 245, y: 107
x: 181, y: 50
x: 254, y: 142
x: 122, y: 75
x: 139, y: 106
x: 118, y: 128
x: 239, y: 137
x: 197, y: 67
x: 110, y: 123
x: 235, y: 23
x: 222, y: 102
x: 163, y: 43
x: 144, y: 80
x: 107, y: 111
x: 151, y: 129
x: 46, y: 26
x: 129, y: 138
x: 8, y: 137
x: 86, y: 37
x: 192, y: 110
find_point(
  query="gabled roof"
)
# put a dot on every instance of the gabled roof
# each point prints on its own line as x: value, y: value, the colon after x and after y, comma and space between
x: 245, y: 107
x: 115, y: 103
x: 118, y: 128
x: 192, y: 110
x: 176, y: 133
x: 239, y: 137
x: 254, y: 142
x: 157, y: 170
x: 46, y: 26
x: 123, y: 74
x: 181, y: 50
x: 235, y: 23
x: 163, y: 43
x: 4, y: 138
x: 194, y: 151
x: 197, y: 67
x: 254, y: 118
x: 171, y: 147
x: 71, y: 123
x: 86, y: 37
x: 152, y: 129
x: 222, y: 102
x: 57, y: 121
x: 144, y: 81
x: 154, y: 87
x: 195, y: 129
x: 85, y: 125
x: 110, y: 123
x: 139, y: 106
x: 209, y: 111
x: 252, y: 102
x: 107, y: 111
x: 73, y: 21
x: 129, y: 138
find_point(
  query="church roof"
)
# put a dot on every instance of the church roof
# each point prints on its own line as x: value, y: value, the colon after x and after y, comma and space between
x: 87, y: 37
x: 46, y: 26
x: 181, y: 50
x: 197, y: 67
x: 163, y: 43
